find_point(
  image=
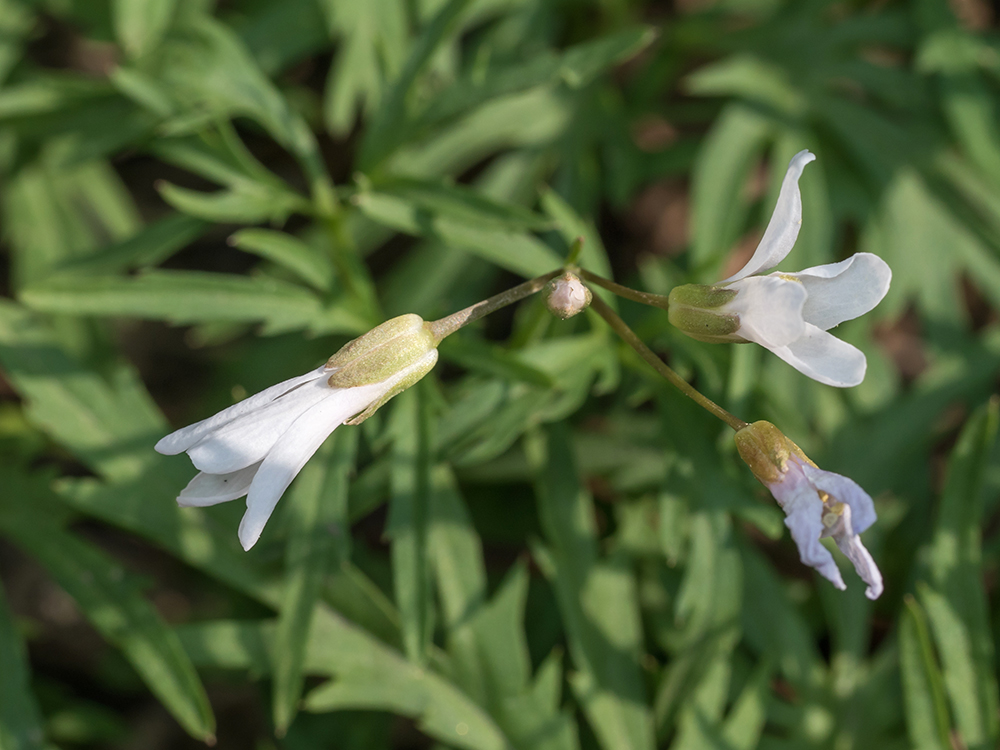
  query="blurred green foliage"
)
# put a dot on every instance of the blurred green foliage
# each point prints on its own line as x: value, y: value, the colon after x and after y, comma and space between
x: 542, y: 546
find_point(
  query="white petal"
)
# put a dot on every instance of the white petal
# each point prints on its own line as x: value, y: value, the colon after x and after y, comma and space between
x: 211, y: 489
x: 184, y: 438
x: 843, y: 291
x: 847, y: 491
x: 850, y: 544
x: 824, y: 358
x: 783, y: 229
x: 294, y: 448
x: 805, y: 521
x: 770, y: 310
x: 247, y: 439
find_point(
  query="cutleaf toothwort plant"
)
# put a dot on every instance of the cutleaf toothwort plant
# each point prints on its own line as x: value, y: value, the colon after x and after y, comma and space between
x: 256, y: 447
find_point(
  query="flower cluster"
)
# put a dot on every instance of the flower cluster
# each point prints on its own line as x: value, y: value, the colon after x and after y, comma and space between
x: 256, y: 447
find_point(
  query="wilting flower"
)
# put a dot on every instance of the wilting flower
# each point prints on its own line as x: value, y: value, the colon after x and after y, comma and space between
x: 788, y: 313
x: 817, y: 504
x: 256, y: 447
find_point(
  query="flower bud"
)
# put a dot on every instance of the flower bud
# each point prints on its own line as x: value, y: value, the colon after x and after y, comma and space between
x: 567, y: 296
x: 383, y: 352
x: 699, y: 311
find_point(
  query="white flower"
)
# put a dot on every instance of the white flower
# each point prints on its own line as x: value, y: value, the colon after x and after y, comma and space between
x: 817, y: 504
x: 821, y: 504
x: 790, y: 313
x: 258, y: 446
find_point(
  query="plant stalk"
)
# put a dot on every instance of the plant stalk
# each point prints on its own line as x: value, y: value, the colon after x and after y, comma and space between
x: 620, y: 327
x: 448, y: 325
x: 645, y: 298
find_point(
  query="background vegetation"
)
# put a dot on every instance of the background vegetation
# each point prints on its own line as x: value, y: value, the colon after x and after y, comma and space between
x: 542, y: 545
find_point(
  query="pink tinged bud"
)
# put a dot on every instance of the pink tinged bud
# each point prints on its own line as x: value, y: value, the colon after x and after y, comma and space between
x: 567, y: 296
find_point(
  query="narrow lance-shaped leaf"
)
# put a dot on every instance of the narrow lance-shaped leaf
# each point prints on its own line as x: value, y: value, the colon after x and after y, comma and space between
x: 319, y: 493
x: 597, y: 600
x: 407, y: 524
x: 110, y: 598
x: 386, y: 132
x: 927, y: 721
x: 957, y: 606
x: 20, y: 719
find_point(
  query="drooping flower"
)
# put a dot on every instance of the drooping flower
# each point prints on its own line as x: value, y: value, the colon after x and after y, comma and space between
x: 258, y: 446
x: 817, y: 504
x: 788, y: 313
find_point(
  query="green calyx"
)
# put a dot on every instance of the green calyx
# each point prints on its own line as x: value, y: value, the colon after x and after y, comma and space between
x: 416, y: 371
x: 696, y: 310
x: 766, y: 450
x: 382, y: 353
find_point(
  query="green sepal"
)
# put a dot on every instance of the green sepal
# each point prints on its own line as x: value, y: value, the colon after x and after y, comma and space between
x: 381, y: 353
x: 766, y: 450
x: 411, y: 378
x: 695, y: 309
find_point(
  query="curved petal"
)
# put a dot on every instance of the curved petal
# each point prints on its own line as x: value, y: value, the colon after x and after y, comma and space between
x: 824, y: 358
x: 184, y: 438
x: 850, y: 544
x: 212, y: 489
x: 247, y: 439
x: 843, y: 291
x: 805, y: 521
x: 783, y: 229
x: 295, y: 447
x: 847, y: 491
x: 770, y: 310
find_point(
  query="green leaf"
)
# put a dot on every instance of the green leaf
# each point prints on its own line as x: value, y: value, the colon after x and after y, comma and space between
x: 372, y: 40
x: 309, y: 264
x: 597, y: 600
x: 20, y: 719
x: 751, y: 78
x: 515, y: 251
x: 151, y: 245
x: 492, y: 360
x: 141, y: 24
x: 577, y: 66
x: 247, y: 202
x: 178, y: 297
x: 962, y: 675
x: 406, y: 527
x: 110, y: 598
x: 958, y: 607
x: 927, y: 720
x: 720, y: 174
x: 367, y: 675
x: 207, y: 68
x: 318, y: 500
x: 386, y: 130
x: 108, y: 422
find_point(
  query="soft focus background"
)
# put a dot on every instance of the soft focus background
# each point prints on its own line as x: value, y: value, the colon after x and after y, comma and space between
x: 542, y: 546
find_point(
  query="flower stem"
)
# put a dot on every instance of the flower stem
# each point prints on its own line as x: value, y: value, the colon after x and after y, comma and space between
x: 646, y: 298
x: 448, y: 325
x: 621, y: 328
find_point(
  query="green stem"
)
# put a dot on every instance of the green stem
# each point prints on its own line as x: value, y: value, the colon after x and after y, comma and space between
x: 447, y: 326
x: 621, y: 328
x: 646, y: 298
